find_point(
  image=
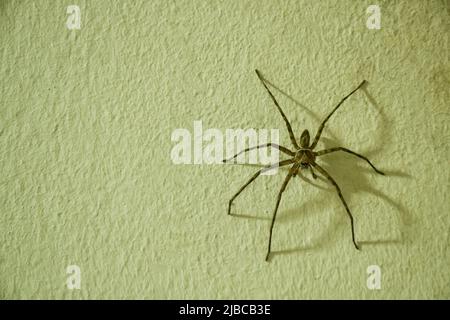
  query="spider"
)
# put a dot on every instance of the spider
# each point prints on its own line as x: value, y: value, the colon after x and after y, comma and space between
x: 302, y: 158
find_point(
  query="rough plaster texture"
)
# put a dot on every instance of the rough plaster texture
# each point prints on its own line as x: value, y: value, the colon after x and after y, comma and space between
x: 86, y: 118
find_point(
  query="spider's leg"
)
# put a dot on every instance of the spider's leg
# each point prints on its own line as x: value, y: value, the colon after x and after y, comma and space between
x: 326, y: 151
x: 312, y: 172
x: 266, y: 145
x: 283, y: 187
x: 327, y: 175
x: 279, y: 164
x: 288, y: 125
x: 322, y: 126
x: 295, y: 173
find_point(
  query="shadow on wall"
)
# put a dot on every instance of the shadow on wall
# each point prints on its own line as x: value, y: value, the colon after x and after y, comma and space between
x: 351, y: 175
x: 6, y: 3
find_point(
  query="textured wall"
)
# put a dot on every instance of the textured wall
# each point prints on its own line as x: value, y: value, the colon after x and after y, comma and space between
x: 86, y: 118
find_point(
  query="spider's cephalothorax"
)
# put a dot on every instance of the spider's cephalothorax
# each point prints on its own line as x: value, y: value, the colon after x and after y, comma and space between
x: 302, y: 158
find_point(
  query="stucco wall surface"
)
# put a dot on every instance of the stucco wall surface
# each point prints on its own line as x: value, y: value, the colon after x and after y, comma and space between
x: 86, y: 118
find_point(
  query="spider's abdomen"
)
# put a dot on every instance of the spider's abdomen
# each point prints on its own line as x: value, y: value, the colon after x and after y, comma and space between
x: 304, y: 139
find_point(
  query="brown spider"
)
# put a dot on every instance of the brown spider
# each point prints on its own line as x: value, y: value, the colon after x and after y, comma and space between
x: 302, y: 158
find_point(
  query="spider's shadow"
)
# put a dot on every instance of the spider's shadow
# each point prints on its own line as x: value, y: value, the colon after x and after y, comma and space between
x: 353, y: 180
x: 351, y: 175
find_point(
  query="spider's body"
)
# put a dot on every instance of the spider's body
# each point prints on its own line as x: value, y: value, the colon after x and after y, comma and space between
x: 302, y: 158
x: 304, y: 139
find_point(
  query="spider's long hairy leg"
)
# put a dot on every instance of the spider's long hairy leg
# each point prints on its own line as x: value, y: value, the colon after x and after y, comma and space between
x: 266, y: 145
x: 322, y: 126
x: 312, y: 172
x: 288, y: 125
x: 283, y: 187
x: 327, y: 175
x: 256, y: 175
x: 326, y: 151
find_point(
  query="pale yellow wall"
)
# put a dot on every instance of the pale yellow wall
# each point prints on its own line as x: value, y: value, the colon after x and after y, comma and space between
x: 86, y: 118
